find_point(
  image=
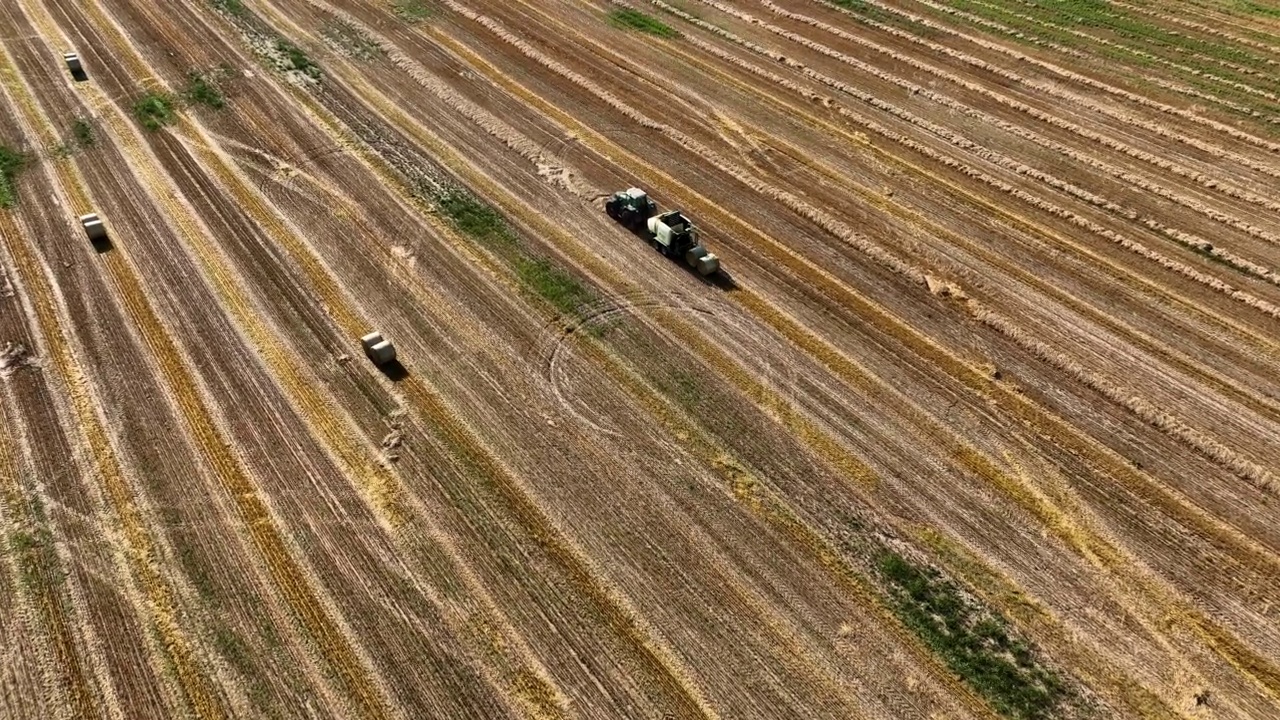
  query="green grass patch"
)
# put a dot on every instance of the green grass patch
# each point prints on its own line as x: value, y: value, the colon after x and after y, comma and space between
x: 412, y: 11
x: 553, y: 284
x: 155, y: 110
x: 627, y: 18
x: 231, y: 7
x: 12, y: 163
x: 976, y: 644
x: 476, y: 219
x: 203, y: 90
x: 295, y: 59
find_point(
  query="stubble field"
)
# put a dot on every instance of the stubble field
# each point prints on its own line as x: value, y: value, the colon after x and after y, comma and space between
x: 980, y: 420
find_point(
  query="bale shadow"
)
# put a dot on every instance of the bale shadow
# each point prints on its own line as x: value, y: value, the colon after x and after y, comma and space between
x: 394, y: 370
x: 719, y: 279
x: 79, y: 75
x: 102, y: 245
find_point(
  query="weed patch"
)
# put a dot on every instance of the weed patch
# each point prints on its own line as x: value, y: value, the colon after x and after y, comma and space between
x: 412, y: 11
x: 203, y: 90
x: 553, y: 284
x: 231, y: 7
x: 627, y: 18
x: 82, y: 131
x: 476, y: 219
x: 12, y: 164
x: 976, y: 644
x: 295, y: 59
x: 486, y: 225
x: 155, y: 110
x: 34, y: 552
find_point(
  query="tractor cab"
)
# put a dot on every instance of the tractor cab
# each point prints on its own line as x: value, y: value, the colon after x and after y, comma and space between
x: 631, y: 207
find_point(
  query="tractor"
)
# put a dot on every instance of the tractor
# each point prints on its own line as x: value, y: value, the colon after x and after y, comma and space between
x: 670, y: 232
x: 632, y: 208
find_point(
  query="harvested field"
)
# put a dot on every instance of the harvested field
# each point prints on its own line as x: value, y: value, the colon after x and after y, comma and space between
x: 978, y: 418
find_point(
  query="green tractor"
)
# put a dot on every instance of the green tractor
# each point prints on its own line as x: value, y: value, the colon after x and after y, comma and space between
x: 632, y: 208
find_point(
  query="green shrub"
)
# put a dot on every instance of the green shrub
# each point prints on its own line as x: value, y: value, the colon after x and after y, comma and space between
x: 155, y: 110
x: 83, y: 133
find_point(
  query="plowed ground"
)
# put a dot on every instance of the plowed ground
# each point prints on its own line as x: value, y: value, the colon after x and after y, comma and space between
x: 980, y: 418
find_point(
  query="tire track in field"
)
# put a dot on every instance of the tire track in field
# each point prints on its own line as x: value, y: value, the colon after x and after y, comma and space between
x: 628, y: 615
x: 463, y: 442
x: 144, y: 556
x: 437, y: 416
x: 196, y: 411
x: 406, y: 381
x: 443, y: 418
x: 1220, y: 638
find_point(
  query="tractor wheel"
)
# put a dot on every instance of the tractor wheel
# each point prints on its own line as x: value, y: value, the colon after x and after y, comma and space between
x: 611, y: 209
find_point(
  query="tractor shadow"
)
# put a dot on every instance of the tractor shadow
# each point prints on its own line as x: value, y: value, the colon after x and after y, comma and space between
x: 394, y: 371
